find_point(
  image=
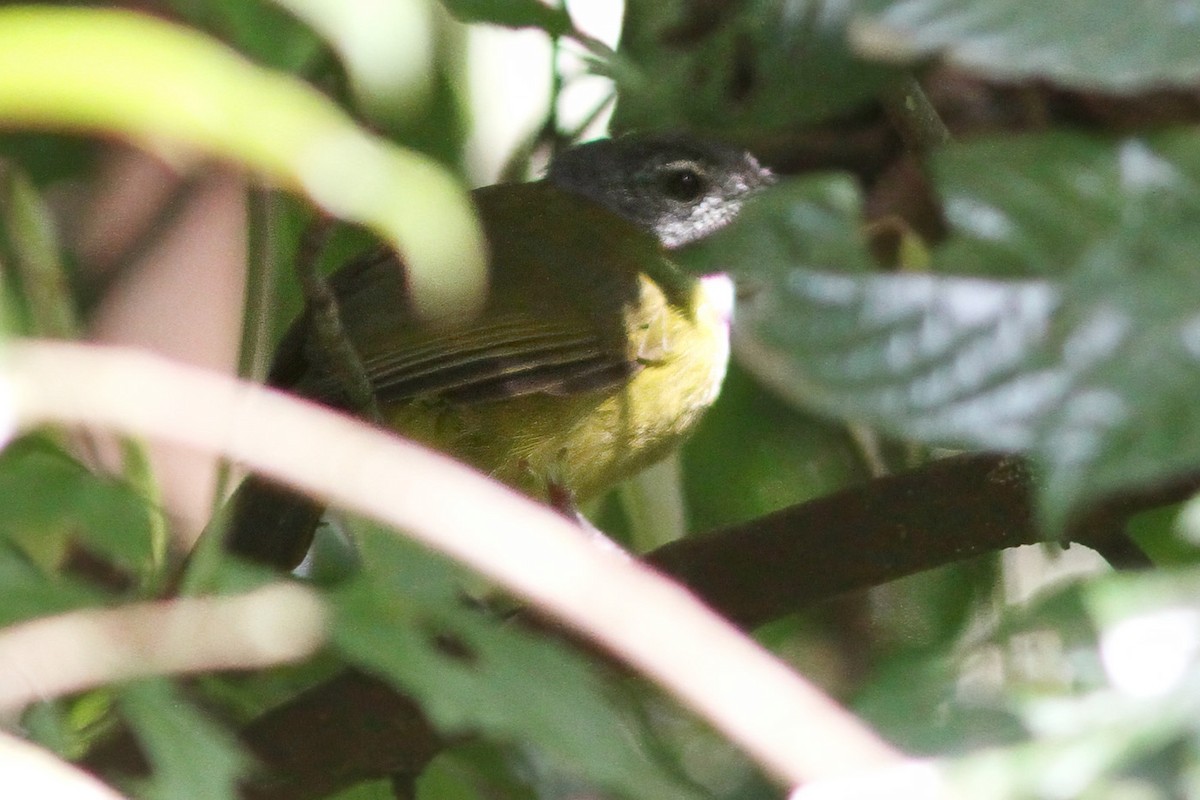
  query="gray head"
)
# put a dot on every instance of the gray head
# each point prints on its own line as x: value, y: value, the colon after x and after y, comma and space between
x: 681, y: 189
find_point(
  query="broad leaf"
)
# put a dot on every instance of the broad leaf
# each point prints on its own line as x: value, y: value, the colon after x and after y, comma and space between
x: 1094, y: 373
x: 1119, y: 45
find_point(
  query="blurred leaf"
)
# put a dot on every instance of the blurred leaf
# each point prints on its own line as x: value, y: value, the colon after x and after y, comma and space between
x: 32, y: 236
x: 31, y: 592
x: 1123, y: 650
x: 1158, y: 534
x: 192, y: 758
x: 553, y: 19
x: 736, y: 67
x: 50, y: 498
x: 71, y: 726
x: 1094, y: 374
x: 925, y: 686
x: 814, y: 222
x: 1089, y: 45
x: 257, y: 28
x: 385, y: 45
x: 167, y: 87
x: 406, y: 619
x: 473, y: 770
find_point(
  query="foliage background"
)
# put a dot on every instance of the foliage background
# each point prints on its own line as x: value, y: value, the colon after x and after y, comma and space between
x: 1025, y: 284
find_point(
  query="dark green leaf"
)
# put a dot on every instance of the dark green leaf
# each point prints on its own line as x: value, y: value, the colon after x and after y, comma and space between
x: 924, y: 686
x: 405, y: 618
x: 1115, y: 44
x: 1157, y: 534
x: 761, y: 65
x: 553, y: 19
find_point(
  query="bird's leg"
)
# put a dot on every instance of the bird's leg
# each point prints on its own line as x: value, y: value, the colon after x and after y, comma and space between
x: 328, y: 333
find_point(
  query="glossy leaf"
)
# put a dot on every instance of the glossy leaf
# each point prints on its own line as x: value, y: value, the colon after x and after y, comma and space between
x: 1029, y: 206
x: 1094, y: 373
x: 173, y: 90
x: 1115, y: 45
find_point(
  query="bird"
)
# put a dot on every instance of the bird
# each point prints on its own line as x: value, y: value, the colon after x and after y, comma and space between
x: 594, y: 355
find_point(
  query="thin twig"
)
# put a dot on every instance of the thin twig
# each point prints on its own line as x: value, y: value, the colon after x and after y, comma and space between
x: 914, y: 117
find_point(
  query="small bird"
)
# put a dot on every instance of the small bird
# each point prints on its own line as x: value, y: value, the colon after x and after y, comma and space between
x: 594, y: 355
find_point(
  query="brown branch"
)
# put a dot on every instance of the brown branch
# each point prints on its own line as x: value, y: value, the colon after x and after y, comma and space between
x: 349, y: 729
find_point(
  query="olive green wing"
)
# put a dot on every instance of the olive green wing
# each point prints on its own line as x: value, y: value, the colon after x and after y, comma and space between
x: 513, y: 349
x: 565, y: 285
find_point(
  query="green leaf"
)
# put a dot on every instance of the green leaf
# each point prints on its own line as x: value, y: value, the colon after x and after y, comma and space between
x: 1121, y: 45
x: 554, y: 20
x: 192, y: 757
x: 405, y: 618
x: 258, y: 28
x: 30, y: 592
x: 1094, y: 374
x: 754, y: 66
x: 50, y: 498
x: 169, y: 88
x: 1027, y: 206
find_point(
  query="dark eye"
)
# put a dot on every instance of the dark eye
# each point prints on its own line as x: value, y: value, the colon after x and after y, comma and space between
x: 683, y: 184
